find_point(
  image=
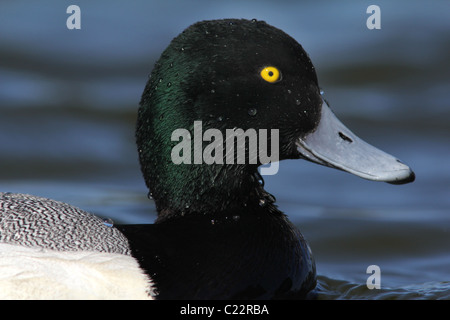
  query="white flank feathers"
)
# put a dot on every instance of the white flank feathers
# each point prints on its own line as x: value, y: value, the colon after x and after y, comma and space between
x: 36, y: 273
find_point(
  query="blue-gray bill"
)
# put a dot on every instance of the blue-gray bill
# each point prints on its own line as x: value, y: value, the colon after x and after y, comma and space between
x: 332, y: 144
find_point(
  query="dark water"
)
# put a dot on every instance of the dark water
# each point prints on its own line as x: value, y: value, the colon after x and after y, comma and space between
x: 68, y: 102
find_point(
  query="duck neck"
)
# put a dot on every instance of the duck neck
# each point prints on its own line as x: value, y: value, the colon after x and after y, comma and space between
x: 182, y: 189
x: 216, y: 193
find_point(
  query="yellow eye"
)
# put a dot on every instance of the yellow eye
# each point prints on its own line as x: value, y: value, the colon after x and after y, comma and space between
x: 270, y: 74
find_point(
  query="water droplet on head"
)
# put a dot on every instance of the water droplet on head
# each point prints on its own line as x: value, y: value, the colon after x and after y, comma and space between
x: 213, y: 91
x: 150, y: 195
x: 171, y: 65
x: 220, y: 118
x: 236, y: 217
x: 298, y: 102
x: 321, y: 92
x: 252, y: 111
x: 169, y: 84
x: 289, y: 91
x: 254, y: 20
x: 108, y: 222
x: 262, y: 202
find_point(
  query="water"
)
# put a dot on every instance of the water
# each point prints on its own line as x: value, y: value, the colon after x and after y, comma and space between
x: 108, y: 222
x: 68, y: 102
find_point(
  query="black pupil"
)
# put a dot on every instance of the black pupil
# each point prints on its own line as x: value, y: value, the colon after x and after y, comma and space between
x: 270, y: 73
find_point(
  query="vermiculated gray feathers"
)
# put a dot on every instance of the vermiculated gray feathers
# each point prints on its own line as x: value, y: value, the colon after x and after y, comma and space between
x: 38, y: 222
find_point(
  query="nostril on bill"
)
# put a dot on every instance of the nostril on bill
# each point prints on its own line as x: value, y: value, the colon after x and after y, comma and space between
x: 345, y: 138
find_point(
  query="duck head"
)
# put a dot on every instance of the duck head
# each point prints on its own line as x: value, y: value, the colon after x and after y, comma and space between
x: 229, y: 74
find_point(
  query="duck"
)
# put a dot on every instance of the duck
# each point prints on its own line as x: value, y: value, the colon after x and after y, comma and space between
x: 218, y: 233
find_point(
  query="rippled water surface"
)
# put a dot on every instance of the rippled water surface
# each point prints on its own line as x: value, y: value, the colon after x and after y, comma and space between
x: 68, y: 102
